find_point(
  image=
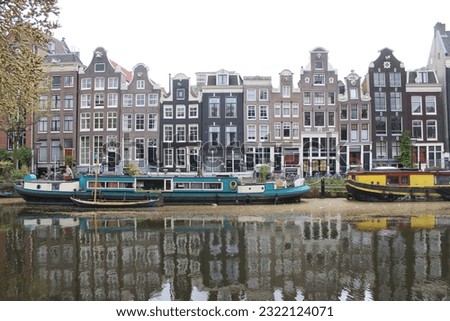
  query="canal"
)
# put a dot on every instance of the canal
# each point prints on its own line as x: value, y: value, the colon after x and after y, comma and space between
x: 317, y: 250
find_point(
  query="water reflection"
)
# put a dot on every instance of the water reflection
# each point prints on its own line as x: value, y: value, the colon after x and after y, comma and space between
x: 295, y: 257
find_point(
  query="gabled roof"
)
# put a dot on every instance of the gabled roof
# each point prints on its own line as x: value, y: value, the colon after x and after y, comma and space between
x: 128, y: 75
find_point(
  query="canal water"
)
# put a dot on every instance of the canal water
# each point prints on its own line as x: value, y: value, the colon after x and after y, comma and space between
x: 228, y: 255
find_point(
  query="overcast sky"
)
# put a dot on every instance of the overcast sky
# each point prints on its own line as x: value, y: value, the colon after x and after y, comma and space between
x: 248, y: 36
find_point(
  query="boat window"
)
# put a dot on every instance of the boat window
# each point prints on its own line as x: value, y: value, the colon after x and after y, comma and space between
x: 99, y: 184
x: 112, y: 184
x: 213, y: 185
x: 182, y: 185
x: 126, y: 185
x: 196, y: 185
x: 168, y: 185
x: 442, y: 180
x: 392, y: 180
x: 404, y: 180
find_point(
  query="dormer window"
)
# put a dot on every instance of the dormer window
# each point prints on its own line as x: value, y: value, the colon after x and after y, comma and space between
x: 222, y: 79
x: 180, y: 93
x: 318, y: 64
x: 99, y: 67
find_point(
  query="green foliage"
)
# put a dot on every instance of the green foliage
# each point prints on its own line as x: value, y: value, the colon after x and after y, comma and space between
x: 405, y: 157
x: 131, y: 169
x: 264, y: 172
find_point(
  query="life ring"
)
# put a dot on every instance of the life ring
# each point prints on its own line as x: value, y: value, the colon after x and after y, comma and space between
x: 233, y: 185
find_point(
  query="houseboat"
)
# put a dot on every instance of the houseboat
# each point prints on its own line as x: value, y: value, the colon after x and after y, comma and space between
x: 391, y: 184
x: 220, y: 189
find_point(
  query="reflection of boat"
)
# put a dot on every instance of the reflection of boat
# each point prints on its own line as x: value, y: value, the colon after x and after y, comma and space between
x: 372, y: 225
x: 6, y: 194
x: 398, y: 184
x: 173, y: 189
x: 114, y: 203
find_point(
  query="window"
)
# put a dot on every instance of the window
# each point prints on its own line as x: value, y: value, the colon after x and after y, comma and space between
x: 354, y: 112
x: 68, y: 102
x: 140, y: 84
x: 395, y: 149
x: 431, y: 129
x: 263, y: 94
x: 140, y: 100
x: 86, y: 83
x: 99, y: 83
x: 251, y: 94
x: 331, y: 122
x: 168, y: 157
x: 381, y: 149
x: 344, y: 114
x: 181, y: 157
x: 365, y: 111
x: 127, y: 122
x: 168, y: 133
x: 222, y: 79
x: 214, y: 135
x: 307, y: 119
x: 286, y: 130
x: 319, y: 119
x: 180, y: 93
x: 353, y: 93
x: 286, y: 91
x: 318, y: 64
x: 98, y: 120
x: 354, y: 132
x: 99, y: 67
x: 295, y: 130
x: 193, y: 111
x: 113, y: 82
x: 193, y: 133
x: 152, y: 122
x: 152, y: 100
x: 395, y: 79
x: 43, y: 102
x: 380, y: 101
x: 251, y: 133
x: 319, y: 79
x: 286, y: 110
x: 56, y: 82
x: 263, y: 112
x: 68, y: 81
x: 422, y: 77
x: 277, y: 130
x: 416, y: 105
x: 230, y: 135
x: 277, y: 110
x: 139, y: 150
x: 140, y: 122
x: 307, y: 98
x: 379, y: 79
x: 230, y: 107
x: 214, y: 111
x: 416, y: 129
x: 112, y: 120
x: 380, y: 125
x: 344, y: 132
x: 263, y: 133
x: 319, y: 98
x: 56, y: 102
x: 55, y: 124
x: 85, y: 150
x: 112, y: 99
x: 396, y: 125
x: 85, y: 121
x: 295, y: 110
x: 99, y: 100
x: 168, y: 112
x: 180, y: 133
x: 331, y: 98
x: 42, y: 126
x: 55, y: 151
x: 127, y: 100
x: 430, y: 105
x: 68, y: 123
x: 396, y: 101
x: 364, y: 132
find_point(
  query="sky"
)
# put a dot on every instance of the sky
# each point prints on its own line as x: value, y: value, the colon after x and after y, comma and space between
x: 252, y: 38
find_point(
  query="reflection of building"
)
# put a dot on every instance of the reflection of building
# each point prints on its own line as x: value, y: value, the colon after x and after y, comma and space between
x: 298, y: 257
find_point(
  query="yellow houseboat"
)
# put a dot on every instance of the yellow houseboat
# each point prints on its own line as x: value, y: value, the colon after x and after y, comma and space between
x: 390, y: 184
